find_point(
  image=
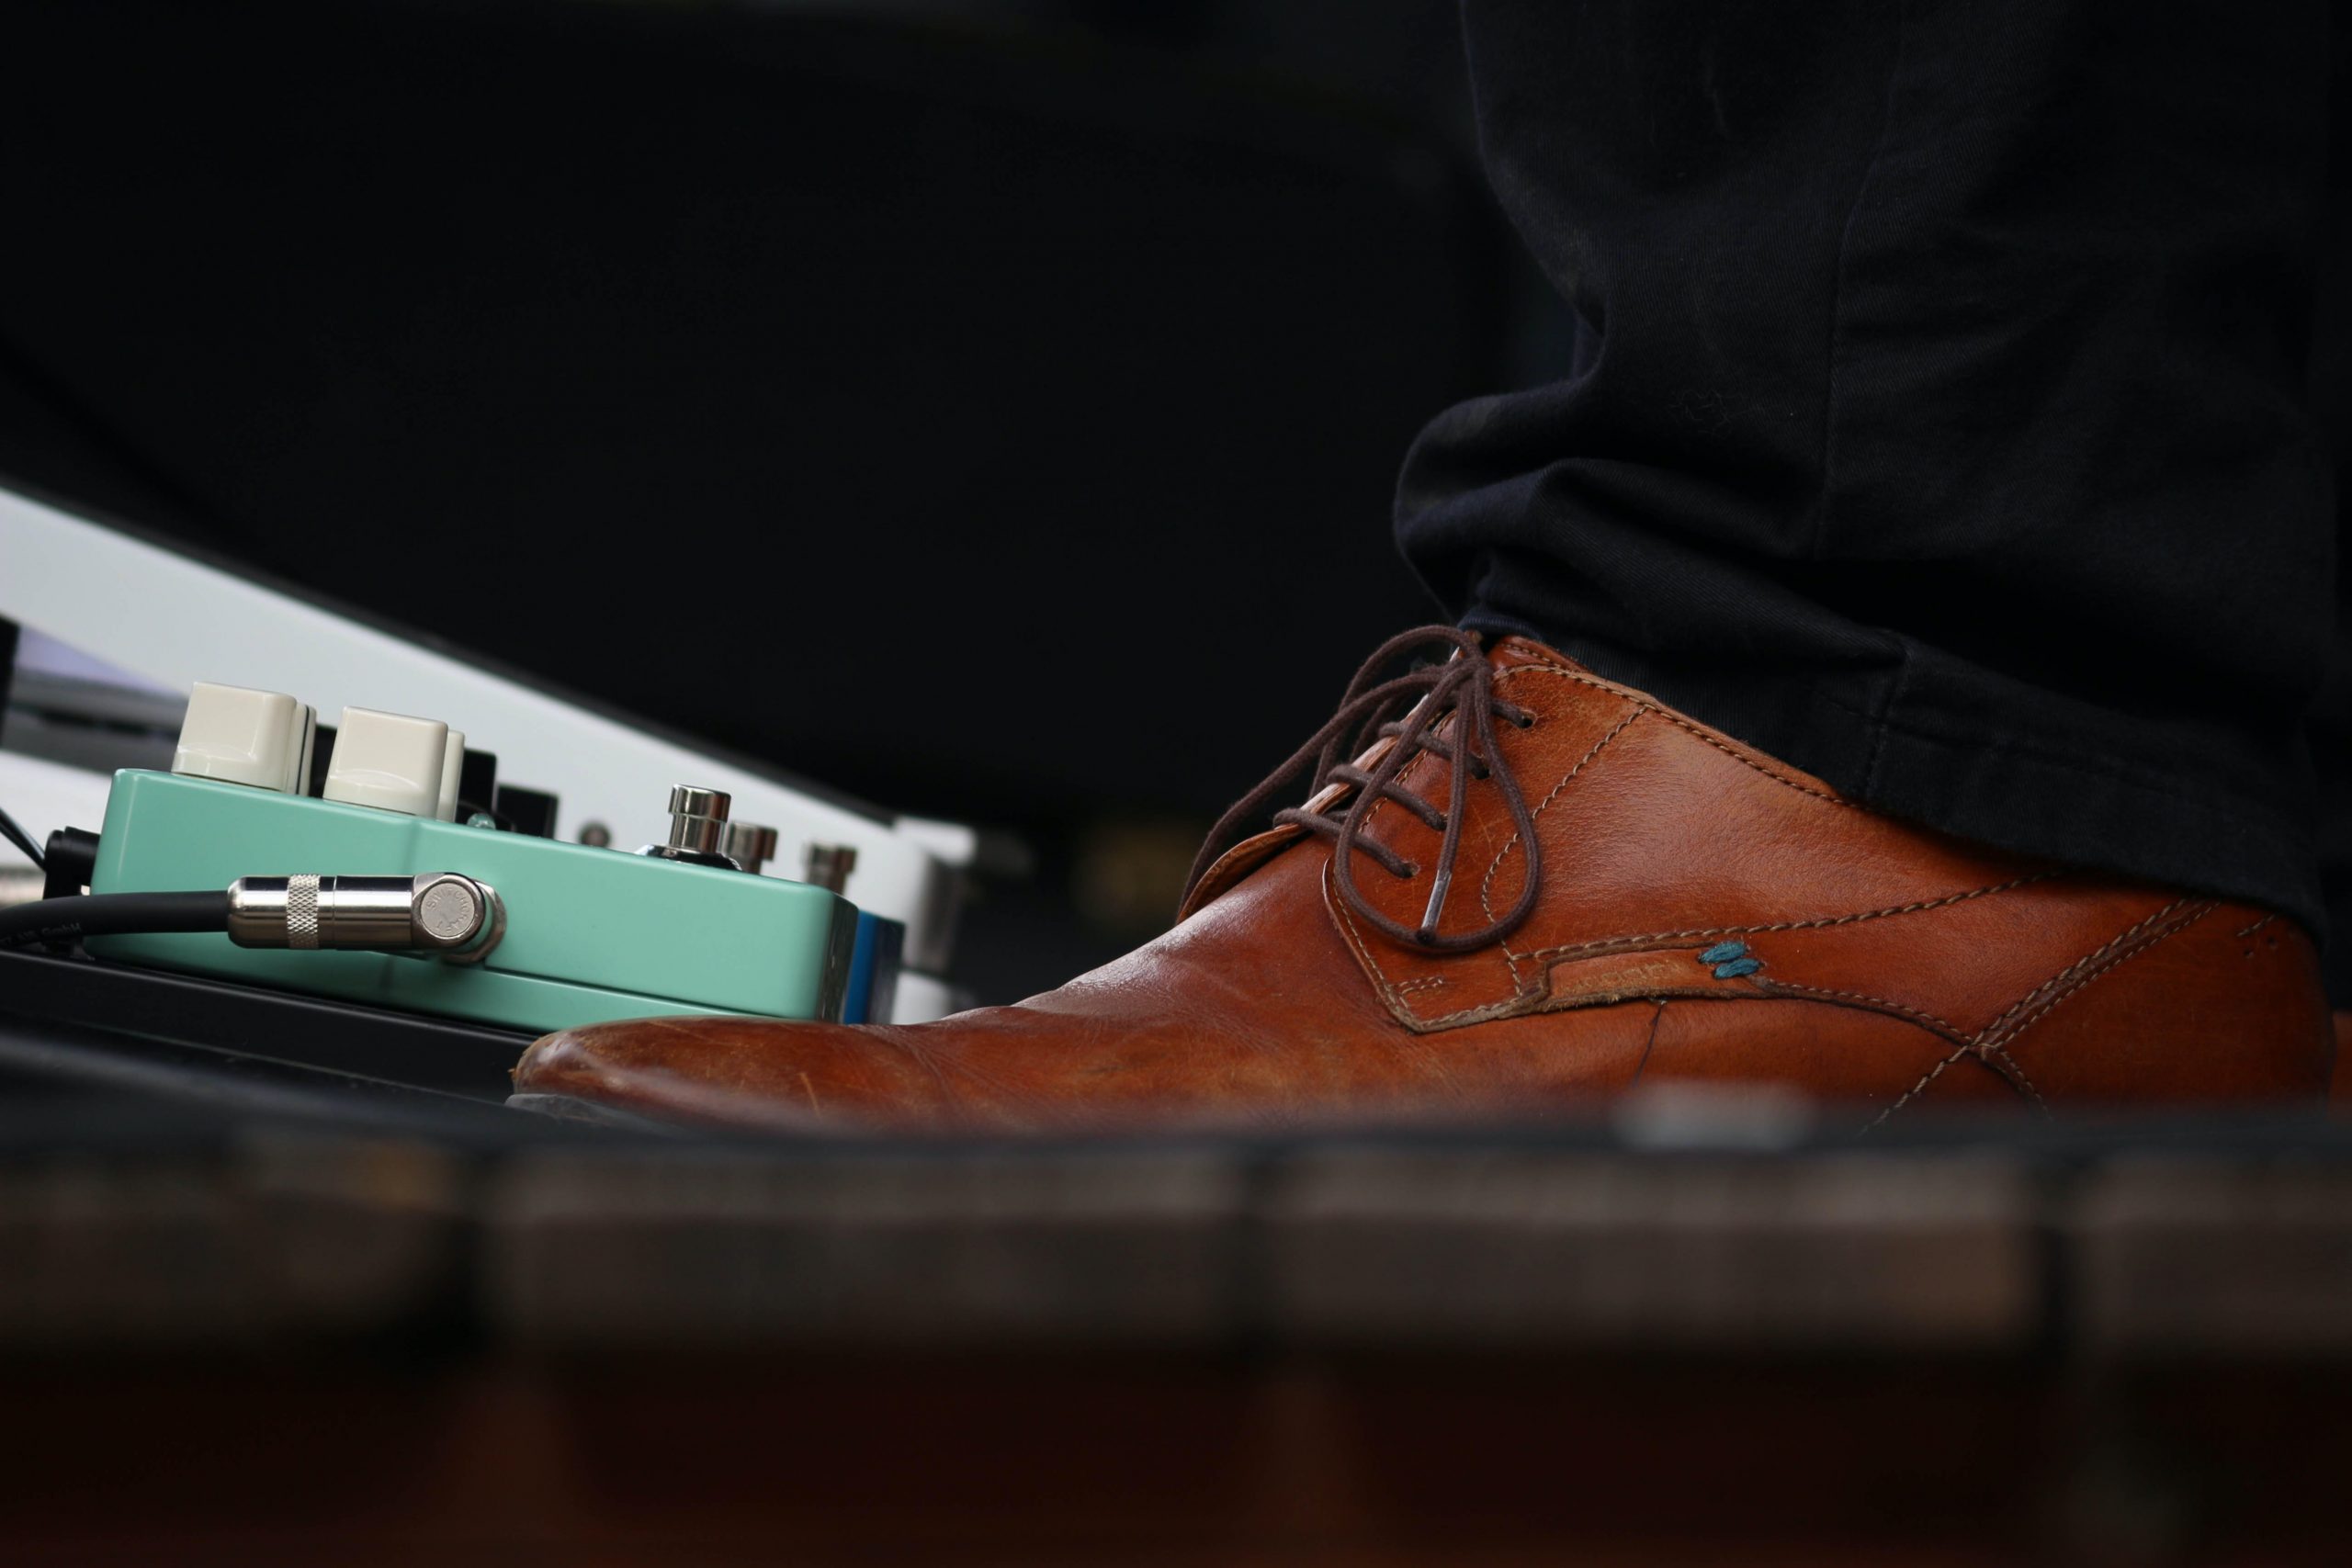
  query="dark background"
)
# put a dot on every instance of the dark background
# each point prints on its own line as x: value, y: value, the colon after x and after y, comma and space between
x: 988, y: 409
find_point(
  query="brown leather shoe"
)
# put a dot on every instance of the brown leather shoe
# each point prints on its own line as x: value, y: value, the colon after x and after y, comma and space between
x: 1593, y: 890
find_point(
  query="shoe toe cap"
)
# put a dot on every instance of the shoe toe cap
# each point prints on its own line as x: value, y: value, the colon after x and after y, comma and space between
x: 728, y: 1072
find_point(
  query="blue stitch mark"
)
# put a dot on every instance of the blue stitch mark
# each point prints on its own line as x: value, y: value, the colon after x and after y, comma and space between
x: 1731, y: 960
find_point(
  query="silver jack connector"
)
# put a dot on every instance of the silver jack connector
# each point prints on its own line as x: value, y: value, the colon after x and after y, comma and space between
x: 449, y: 916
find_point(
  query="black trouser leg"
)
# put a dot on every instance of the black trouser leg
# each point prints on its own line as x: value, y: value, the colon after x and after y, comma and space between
x: 1937, y: 416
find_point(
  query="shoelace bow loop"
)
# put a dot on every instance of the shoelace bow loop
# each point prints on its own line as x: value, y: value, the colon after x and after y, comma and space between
x: 1406, y: 712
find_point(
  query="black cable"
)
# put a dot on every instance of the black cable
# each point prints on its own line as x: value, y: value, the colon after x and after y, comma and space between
x: 23, y: 841
x: 112, y: 914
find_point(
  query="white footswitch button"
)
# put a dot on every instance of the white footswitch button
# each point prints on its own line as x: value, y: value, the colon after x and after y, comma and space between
x: 244, y: 737
x: 387, y: 760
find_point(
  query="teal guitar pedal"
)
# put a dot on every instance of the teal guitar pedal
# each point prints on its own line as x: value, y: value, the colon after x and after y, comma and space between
x: 588, y: 935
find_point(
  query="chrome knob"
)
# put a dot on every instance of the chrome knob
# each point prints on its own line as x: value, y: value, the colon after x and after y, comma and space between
x: 750, y: 845
x: 828, y: 866
x: 698, y: 828
x: 698, y: 820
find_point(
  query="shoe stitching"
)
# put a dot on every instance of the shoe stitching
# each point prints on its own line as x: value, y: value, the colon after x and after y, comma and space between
x: 1536, y: 1005
x: 1987, y: 1044
x: 1644, y: 701
x: 2255, y: 927
x: 1523, y: 1001
x: 1887, y: 1004
x: 1931, y: 1076
x: 1510, y: 1007
x: 2018, y: 1080
x: 1393, y: 993
x: 1392, y: 997
x: 1390, y: 993
x: 1666, y: 939
x: 2080, y: 972
x: 1486, y: 886
x: 1990, y: 1042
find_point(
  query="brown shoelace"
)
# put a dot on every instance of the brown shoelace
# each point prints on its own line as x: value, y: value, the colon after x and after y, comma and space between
x: 1463, y: 686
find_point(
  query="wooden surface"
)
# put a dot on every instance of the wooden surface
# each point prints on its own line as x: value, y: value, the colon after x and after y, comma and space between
x: 285, y: 1344
x: 276, y: 1240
